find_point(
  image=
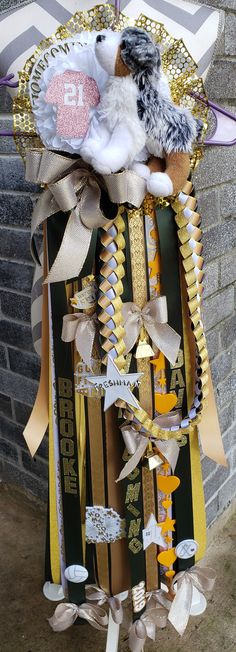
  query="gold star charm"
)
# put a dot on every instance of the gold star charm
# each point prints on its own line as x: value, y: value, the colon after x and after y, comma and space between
x: 165, y: 466
x: 154, y: 266
x: 159, y: 363
x: 168, y: 539
x: 168, y: 525
x: 162, y: 382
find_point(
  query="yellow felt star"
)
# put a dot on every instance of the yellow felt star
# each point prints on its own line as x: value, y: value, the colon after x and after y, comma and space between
x: 162, y: 381
x: 168, y: 525
x: 166, y: 466
x: 168, y: 539
x: 154, y: 266
x: 159, y: 363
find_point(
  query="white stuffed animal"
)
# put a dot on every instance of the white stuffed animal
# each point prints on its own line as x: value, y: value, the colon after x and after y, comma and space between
x: 136, y: 117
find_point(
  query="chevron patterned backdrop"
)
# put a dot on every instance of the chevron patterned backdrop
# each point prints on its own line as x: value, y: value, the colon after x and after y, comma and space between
x: 23, y: 28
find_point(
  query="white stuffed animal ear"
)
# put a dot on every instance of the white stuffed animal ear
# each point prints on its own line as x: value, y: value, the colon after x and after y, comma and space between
x: 159, y: 184
x: 106, y: 48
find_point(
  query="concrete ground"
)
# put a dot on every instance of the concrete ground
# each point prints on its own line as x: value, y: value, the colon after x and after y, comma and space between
x: 24, y: 610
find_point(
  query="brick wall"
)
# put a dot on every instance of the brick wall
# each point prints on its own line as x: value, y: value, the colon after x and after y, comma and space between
x: 19, y: 366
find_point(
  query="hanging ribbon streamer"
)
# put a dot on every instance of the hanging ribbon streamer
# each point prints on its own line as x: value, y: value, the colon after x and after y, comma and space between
x: 65, y: 615
x: 202, y: 579
x: 80, y: 328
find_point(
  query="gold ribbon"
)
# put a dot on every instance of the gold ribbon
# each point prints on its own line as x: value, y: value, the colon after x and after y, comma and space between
x: 137, y: 443
x: 154, y: 318
x: 203, y: 579
x: 66, y: 614
x: 95, y: 594
x: 81, y: 328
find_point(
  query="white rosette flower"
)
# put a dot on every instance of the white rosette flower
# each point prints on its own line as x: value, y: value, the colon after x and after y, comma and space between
x: 80, y: 58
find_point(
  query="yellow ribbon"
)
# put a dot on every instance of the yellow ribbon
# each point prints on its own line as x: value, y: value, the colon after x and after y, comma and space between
x: 154, y: 318
x: 203, y: 579
x: 66, y: 614
x: 81, y: 328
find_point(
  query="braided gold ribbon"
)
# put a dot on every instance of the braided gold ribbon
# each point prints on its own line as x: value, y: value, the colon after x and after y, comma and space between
x: 66, y: 614
x: 81, y: 328
x: 154, y: 318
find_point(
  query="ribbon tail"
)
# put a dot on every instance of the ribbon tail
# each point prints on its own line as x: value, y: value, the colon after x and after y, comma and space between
x: 73, y: 251
x: 94, y: 615
x: 165, y: 338
x: 209, y: 429
x: 116, y: 610
x: 170, y: 450
x: 181, y: 605
x: 84, y: 340
x: 134, y: 460
x: 137, y: 636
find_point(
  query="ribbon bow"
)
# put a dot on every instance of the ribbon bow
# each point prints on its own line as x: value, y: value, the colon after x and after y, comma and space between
x: 73, y: 187
x: 154, y: 616
x: 137, y: 443
x: 66, y: 614
x: 81, y: 328
x: 95, y: 594
x: 203, y: 579
x: 154, y: 318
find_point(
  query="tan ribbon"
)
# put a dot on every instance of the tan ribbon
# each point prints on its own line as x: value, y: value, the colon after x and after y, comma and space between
x: 81, y: 328
x: 79, y: 192
x: 95, y: 594
x: 154, y: 318
x: 203, y: 579
x: 137, y: 443
x: 154, y: 616
x: 66, y: 614
x: 209, y: 428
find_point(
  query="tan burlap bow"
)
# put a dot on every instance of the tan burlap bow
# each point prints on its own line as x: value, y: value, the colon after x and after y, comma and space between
x: 72, y: 186
x: 203, y: 579
x: 154, y: 318
x: 81, y: 328
x: 95, y: 594
x: 66, y: 614
x: 137, y: 442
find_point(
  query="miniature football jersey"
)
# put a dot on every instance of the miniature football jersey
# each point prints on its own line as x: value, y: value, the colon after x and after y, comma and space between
x: 74, y: 94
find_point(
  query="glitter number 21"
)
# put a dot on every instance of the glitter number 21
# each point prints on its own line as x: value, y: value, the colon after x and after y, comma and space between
x: 74, y: 95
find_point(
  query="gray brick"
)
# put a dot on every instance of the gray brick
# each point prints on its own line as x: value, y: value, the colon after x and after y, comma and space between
x: 219, y: 239
x: 16, y: 276
x: 212, y: 511
x: 222, y: 81
x: 16, y: 335
x: 35, y: 465
x: 11, y: 431
x: 219, y: 4
x: 228, y: 269
x: 208, y: 206
x: 15, y: 476
x: 15, y: 306
x: 12, y: 175
x: 14, y: 385
x: 224, y: 392
x: 22, y: 412
x: 7, y: 143
x: 226, y: 417
x: 230, y: 34
x: 226, y: 492
x: 221, y: 367
x: 26, y: 364
x: 3, y: 356
x: 215, y: 168
x: 15, y: 210
x: 228, y: 200
x: 208, y: 466
x: 213, y: 484
x: 213, y: 340
x: 5, y: 405
x: 8, y: 450
x: 218, y: 307
x: 229, y: 438
x: 10, y: 4
x: 211, y: 278
x: 228, y: 332
x: 5, y: 101
x: 15, y: 244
